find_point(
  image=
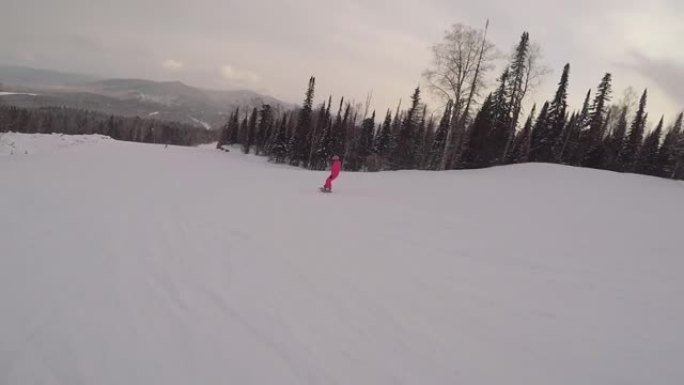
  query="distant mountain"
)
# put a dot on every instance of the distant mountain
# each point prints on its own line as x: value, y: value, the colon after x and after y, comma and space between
x: 173, y: 101
x: 24, y: 77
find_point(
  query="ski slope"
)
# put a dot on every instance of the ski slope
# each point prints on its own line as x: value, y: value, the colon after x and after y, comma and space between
x: 26, y: 144
x: 134, y: 264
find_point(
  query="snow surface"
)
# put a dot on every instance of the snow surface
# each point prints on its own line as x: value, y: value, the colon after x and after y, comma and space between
x: 21, y: 144
x: 125, y: 263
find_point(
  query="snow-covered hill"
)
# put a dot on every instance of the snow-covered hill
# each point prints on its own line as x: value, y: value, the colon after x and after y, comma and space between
x: 125, y: 263
x: 12, y: 143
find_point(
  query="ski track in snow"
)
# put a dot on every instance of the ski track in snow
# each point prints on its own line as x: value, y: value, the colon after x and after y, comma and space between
x: 206, y: 125
x: 126, y: 263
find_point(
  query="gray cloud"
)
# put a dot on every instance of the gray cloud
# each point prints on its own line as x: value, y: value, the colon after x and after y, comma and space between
x: 352, y: 47
x: 667, y: 74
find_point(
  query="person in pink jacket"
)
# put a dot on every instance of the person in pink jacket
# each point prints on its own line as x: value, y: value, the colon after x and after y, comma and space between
x: 334, y: 173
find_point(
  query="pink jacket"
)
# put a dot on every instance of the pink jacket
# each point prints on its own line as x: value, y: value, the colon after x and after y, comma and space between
x: 336, y: 167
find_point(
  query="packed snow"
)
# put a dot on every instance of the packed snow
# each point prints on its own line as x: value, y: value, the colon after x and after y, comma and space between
x: 127, y: 263
x: 22, y: 144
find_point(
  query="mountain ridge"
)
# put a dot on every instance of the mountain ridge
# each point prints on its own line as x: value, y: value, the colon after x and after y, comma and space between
x: 165, y: 100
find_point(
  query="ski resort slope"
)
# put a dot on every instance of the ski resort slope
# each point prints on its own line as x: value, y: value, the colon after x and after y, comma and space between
x: 136, y: 264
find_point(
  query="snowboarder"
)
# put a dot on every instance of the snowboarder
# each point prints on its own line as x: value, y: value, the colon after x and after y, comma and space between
x: 334, y: 173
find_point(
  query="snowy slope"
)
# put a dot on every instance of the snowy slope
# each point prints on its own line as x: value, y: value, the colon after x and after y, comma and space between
x: 12, y: 143
x: 125, y: 263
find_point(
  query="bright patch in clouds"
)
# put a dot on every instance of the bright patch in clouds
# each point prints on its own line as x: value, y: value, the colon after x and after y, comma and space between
x: 173, y: 65
x: 238, y: 76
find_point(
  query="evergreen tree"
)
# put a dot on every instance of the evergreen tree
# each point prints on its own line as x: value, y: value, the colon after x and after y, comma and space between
x: 223, y: 136
x: 648, y: 157
x: 385, y: 141
x: 541, y: 150
x: 366, y: 139
x: 615, y: 142
x: 244, y: 131
x: 518, y: 69
x: 250, y: 132
x: 557, y: 115
x: 592, y: 140
x: 319, y: 131
x: 501, y: 133
x: 428, y: 139
x: 475, y: 150
x: 279, y: 148
x: 438, y: 144
x: 520, y: 152
x: 420, y: 139
x: 630, y: 151
x: 300, y: 144
x: 573, y: 153
x: 405, y: 153
x: 667, y: 155
x: 678, y: 156
x: 569, y: 136
x: 333, y: 143
x: 340, y: 134
x: 585, y: 113
x: 234, y: 127
x: 324, y: 148
x: 264, y: 128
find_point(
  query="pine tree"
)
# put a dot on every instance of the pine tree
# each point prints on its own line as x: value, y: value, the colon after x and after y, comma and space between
x: 279, y: 148
x: 518, y: 68
x: 557, y: 115
x: 334, y: 141
x: 615, y: 142
x: 420, y: 139
x: 585, y: 113
x: 318, y: 129
x: 366, y: 139
x: 244, y: 131
x: 592, y: 140
x: 541, y: 150
x: 630, y: 151
x: 325, y: 142
x: 572, y: 151
x: 250, y: 132
x: 428, y: 139
x: 405, y: 153
x: 475, y: 151
x: 264, y: 128
x: 437, y: 150
x: 300, y: 145
x: 520, y: 152
x: 385, y: 139
x: 647, y: 163
x: 500, y: 134
x: 234, y: 127
x: 320, y: 137
x: 667, y: 155
x: 224, y: 135
x: 678, y: 156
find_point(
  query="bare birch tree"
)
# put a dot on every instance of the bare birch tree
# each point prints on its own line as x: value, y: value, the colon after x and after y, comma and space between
x: 459, y: 66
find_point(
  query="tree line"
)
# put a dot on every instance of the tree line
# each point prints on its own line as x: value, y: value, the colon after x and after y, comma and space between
x: 600, y: 135
x: 83, y: 122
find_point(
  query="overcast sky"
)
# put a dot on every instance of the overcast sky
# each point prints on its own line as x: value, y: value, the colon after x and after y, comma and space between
x: 351, y: 46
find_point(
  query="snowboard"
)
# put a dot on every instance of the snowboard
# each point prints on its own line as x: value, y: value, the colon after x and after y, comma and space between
x: 324, y: 190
